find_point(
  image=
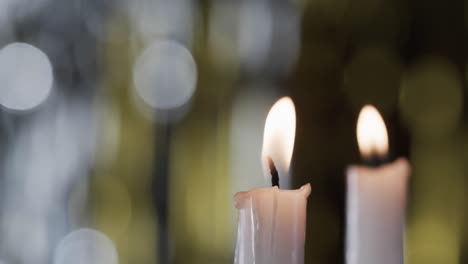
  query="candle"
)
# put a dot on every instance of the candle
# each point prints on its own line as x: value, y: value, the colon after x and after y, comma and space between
x: 272, y: 221
x: 376, y: 197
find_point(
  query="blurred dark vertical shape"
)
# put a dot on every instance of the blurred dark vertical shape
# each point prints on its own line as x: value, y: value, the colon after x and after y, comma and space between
x: 161, y: 189
x: 324, y: 133
x: 7, y: 135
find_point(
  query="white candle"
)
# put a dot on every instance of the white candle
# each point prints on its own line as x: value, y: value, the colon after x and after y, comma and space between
x: 376, y: 199
x: 272, y: 221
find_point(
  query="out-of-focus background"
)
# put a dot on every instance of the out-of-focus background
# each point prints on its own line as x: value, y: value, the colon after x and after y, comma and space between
x: 127, y: 126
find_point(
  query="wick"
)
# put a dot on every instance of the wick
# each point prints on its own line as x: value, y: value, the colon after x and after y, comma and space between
x: 374, y: 160
x: 273, y: 172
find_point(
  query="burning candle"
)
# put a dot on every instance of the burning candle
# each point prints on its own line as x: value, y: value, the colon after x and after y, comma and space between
x: 376, y: 197
x: 272, y: 221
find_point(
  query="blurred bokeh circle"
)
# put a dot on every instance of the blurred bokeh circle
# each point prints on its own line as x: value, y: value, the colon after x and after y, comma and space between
x: 431, y: 97
x: 256, y: 37
x: 26, y: 76
x: 223, y: 32
x: 173, y: 19
x: 373, y: 77
x: 255, y: 33
x: 165, y: 75
x: 86, y: 246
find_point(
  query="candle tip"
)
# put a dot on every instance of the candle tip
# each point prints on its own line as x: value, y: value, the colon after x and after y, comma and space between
x: 306, y: 190
x: 240, y: 199
x: 405, y: 165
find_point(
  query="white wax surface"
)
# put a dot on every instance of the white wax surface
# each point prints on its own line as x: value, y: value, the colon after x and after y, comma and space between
x: 376, y: 200
x: 271, y: 228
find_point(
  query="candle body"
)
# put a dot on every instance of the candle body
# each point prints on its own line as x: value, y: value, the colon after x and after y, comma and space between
x: 376, y: 199
x: 271, y: 228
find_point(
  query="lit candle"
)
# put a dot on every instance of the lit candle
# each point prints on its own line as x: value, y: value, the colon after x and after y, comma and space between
x: 376, y: 197
x: 272, y: 221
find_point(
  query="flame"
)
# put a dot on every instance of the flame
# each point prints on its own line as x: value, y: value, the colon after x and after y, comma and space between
x: 371, y: 132
x: 279, y: 134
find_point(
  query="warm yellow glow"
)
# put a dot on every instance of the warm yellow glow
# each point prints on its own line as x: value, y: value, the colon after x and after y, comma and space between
x: 279, y: 133
x: 371, y: 132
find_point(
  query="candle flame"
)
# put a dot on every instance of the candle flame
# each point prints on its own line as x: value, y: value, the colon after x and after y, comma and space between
x: 279, y: 134
x: 371, y: 132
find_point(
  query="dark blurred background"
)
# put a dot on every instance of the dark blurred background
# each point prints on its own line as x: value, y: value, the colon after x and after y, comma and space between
x: 127, y: 126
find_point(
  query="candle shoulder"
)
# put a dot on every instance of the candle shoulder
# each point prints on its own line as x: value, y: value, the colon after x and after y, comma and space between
x: 243, y: 199
x: 400, y: 166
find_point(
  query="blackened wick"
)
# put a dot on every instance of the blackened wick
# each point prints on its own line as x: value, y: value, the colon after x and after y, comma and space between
x: 274, y: 173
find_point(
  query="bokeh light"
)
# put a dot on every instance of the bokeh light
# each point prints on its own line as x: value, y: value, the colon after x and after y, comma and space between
x: 223, y: 34
x: 373, y: 76
x: 165, y: 75
x: 26, y: 75
x: 286, y: 39
x: 260, y: 36
x: 100, y: 100
x: 434, y: 231
x: 431, y: 98
x: 86, y: 246
x: 255, y: 32
x: 155, y: 19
